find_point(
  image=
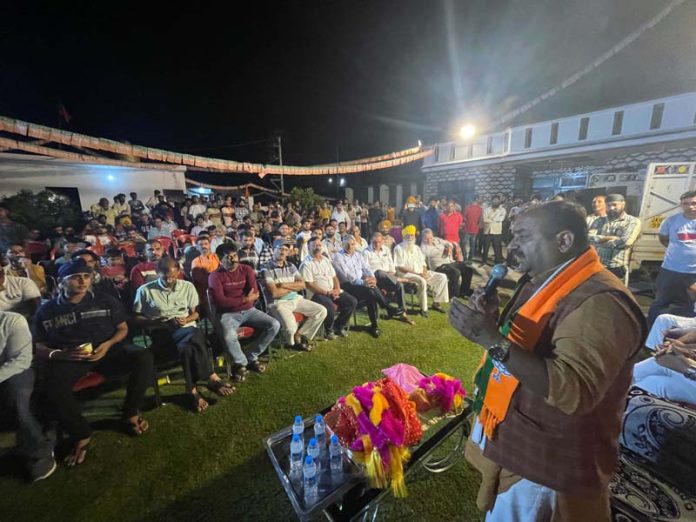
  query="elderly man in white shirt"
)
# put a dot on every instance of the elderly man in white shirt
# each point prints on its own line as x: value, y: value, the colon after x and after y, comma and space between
x: 340, y: 214
x: 379, y: 258
x: 438, y: 257
x: 323, y: 287
x: 410, y: 264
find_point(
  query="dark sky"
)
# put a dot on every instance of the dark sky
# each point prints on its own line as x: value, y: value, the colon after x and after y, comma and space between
x: 340, y: 78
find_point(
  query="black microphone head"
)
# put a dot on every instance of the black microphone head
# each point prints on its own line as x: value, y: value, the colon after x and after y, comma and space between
x: 499, y: 271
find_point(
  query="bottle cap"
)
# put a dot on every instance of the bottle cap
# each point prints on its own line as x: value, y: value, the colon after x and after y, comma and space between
x: 319, y: 418
x: 312, y: 441
x: 334, y: 439
x: 309, y: 460
x: 296, y: 438
x: 298, y: 419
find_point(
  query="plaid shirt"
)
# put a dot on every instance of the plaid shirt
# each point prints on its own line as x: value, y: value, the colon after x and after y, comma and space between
x: 614, y: 253
x: 253, y: 259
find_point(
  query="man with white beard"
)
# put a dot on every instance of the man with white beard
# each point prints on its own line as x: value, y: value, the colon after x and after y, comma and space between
x: 410, y: 264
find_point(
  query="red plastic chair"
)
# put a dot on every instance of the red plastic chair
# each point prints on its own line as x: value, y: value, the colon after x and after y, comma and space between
x: 129, y: 248
x: 178, y: 232
x: 166, y: 243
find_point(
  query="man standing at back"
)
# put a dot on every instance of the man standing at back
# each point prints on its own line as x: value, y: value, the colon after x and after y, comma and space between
x: 678, y: 273
x: 493, y: 218
x: 473, y: 216
x: 550, y: 391
x: 450, y: 223
x: 614, y: 235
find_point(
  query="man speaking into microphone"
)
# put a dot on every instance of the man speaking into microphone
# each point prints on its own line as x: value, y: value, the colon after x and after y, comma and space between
x: 551, y: 387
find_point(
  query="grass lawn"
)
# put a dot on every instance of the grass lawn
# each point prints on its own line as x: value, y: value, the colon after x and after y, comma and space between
x: 214, y: 467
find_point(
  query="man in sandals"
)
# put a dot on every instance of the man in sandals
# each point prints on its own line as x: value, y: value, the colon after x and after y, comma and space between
x: 79, y: 332
x: 169, y: 307
x: 235, y: 292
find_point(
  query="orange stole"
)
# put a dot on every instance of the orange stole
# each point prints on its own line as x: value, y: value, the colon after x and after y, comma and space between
x: 498, y: 387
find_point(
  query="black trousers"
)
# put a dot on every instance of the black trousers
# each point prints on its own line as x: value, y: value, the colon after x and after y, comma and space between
x: 497, y: 240
x: 192, y: 349
x: 395, y: 290
x: 671, y: 296
x: 121, y: 359
x: 16, y: 394
x: 336, y: 319
x: 372, y: 297
x: 458, y: 278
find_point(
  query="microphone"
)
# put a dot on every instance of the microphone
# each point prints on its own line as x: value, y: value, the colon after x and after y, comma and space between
x: 498, y: 273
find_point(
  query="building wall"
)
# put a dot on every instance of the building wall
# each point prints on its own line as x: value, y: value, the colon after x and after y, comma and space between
x: 504, y: 178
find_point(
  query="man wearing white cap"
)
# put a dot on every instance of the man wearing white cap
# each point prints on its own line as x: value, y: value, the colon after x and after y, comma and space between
x: 411, y: 264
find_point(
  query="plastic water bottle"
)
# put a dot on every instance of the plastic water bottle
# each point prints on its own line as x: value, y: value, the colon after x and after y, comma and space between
x: 320, y: 432
x: 335, y: 461
x: 298, y: 428
x: 309, y: 472
x: 314, y: 451
x: 296, y: 454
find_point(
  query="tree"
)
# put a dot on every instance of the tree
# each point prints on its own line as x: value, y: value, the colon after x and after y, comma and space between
x: 44, y: 210
x: 305, y: 197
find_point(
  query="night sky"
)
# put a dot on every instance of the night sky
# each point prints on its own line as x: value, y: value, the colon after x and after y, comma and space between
x: 340, y: 79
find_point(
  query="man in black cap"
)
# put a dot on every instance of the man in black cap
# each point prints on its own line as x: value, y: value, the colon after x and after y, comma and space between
x: 614, y: 235
x: 79, y: 332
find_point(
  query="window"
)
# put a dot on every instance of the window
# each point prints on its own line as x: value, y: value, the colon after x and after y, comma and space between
x: 436, y: 154
x: 470, y: 150
x: 656, y: 119
x: 554, y: 134
x: 453, y: 151
x: 618, y: 123
x: 584, y: 124
x: 527, y: 137
x: 489, y: 145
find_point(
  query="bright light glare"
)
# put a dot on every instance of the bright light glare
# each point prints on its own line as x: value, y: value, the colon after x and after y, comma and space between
x: 342, y: 182
x: 330, y: 180
x: 467, y: 131
x: 110, y: 177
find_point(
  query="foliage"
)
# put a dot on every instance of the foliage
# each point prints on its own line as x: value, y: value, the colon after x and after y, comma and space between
x: 305, y: 197
x: 42, y: 210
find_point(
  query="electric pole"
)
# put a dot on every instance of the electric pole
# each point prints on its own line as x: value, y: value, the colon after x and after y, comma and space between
x: 280, y: 162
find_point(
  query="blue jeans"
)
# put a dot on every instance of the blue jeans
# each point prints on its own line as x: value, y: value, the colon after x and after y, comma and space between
x: 265, y: 326
x: 663, y: 382
x: 16, y: 392
x: 468, y: 245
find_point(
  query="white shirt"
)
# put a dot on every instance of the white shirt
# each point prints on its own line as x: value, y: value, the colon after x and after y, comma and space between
x: 16, y: 291
x: 341, y: 217
x: 493, y: 220
x: 380, y: 260
x: 434, y: 253
x: 196, y: 209
x: 15, y: 345
x: 321, y: 273
x: 411, y: 259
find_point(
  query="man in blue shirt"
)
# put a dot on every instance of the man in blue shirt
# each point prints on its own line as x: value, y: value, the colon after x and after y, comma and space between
x: 357, y: 279
x: 431, y: 217
x: 79, y: 332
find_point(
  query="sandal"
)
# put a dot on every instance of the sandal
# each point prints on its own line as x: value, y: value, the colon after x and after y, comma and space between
x: 197, y: 403
x: 239, y: 373
x: 221, y: 388
x: 139, y: 427
x: 406, y: 319
x: 78, y: 454
x: 256, y: 366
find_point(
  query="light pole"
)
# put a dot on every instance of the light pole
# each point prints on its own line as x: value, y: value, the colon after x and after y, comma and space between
x: 282, y: 179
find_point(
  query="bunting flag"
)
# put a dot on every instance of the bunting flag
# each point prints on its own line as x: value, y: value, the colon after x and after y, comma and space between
x: 158, y: 158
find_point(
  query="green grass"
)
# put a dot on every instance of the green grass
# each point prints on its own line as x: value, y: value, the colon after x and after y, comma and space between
x: 215, y: 467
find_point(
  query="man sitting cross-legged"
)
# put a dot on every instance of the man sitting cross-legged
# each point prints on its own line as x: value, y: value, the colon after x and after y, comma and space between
x: 63, y: 326
x: 438, y: 255
x: 410, y: 264
x: 235, y: 292
x: 282, y: 283
x: 324, y: 288
x: 380, y: 260
x: 358, y: 280
x: 170, y: 307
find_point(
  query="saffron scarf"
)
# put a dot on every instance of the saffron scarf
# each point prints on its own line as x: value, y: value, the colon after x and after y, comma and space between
x: 494, y: 385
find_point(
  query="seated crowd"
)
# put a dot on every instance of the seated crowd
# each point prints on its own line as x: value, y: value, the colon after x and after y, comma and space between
x: 286, y: 273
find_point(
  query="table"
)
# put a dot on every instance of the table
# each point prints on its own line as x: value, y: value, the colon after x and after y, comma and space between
x: 346, y: 496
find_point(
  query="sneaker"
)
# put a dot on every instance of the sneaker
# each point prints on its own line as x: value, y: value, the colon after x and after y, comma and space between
x: 43, y: 468
x: 342, y: 333
x: 374, y: 332
x: 329, y: 336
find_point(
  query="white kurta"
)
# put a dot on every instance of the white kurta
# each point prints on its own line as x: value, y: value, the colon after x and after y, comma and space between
x: 412, y: 258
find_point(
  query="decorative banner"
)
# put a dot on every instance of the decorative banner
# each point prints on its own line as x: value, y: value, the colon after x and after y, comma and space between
x: 167, y: 159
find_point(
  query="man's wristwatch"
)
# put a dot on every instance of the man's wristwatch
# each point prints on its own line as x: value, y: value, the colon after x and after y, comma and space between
x: 500, y: 351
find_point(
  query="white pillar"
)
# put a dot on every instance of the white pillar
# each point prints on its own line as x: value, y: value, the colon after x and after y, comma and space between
x: 414, y: 189
x: 349, y: 194
x: 384, y: 194
x: 399, y: 197
x: 370, y: 194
